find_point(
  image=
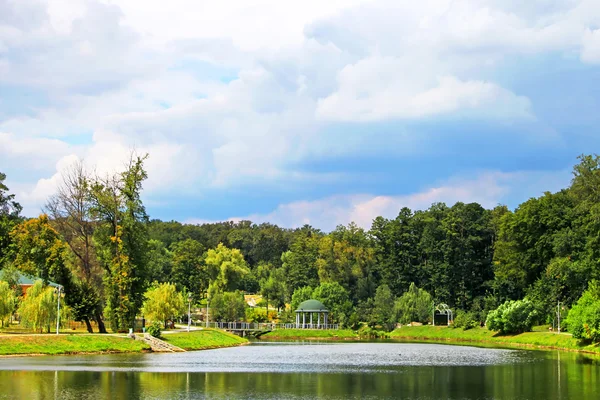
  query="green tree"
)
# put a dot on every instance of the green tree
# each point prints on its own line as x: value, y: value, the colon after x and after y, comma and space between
x: 8, y: 302
x: 383, y: 313
x: 414, y: 305
x: 163, y: 302
x: 336, y: 299
x: 39, y: 250
x: 160, y: 262
x: 272, y: 287
x: 122, y: 240
x: 299, y: 263
x: 189, y: 270
x: 226, y: 267
x: 228, y: 306
x: 301, y: 295
x: 38, y: 309
x: 9, y: 217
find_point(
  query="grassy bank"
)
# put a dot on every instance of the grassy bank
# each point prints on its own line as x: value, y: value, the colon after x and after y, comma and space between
x: 68, y: 344
x: 307, y: 334
x: 204, y: 339
x: 530, y: 339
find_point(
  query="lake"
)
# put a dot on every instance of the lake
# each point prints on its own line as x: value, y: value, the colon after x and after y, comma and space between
x: 308, y: 371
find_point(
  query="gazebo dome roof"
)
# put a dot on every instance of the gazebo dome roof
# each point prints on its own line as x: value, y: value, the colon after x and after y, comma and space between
x: 312, y: 305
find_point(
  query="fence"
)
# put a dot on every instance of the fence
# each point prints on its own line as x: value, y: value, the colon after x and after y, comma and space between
x: 247, y: 326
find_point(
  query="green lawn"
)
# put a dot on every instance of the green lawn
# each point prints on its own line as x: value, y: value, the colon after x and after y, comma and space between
x: 311, y: 334
x: 204, y: 339
x: 68, y: 344
x: 534, y: 339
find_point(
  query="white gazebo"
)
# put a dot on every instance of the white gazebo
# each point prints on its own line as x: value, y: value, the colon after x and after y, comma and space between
x: 310, y: 308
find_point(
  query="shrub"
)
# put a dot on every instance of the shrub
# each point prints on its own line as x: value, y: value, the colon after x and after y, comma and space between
x: 512, y: 317
x: 465, y: 320
x: 154, y: 330
x: 583, y: 320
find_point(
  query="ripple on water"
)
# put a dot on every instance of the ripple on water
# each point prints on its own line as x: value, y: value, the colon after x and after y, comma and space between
x: 284, y: 357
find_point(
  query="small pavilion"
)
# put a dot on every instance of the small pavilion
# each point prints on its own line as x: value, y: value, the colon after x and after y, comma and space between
x: 310, y: 308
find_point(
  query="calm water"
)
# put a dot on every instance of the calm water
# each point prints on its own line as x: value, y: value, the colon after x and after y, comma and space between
x: 307, y: 371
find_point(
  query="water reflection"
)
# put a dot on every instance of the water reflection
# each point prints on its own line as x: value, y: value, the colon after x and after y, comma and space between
x: 511, y: 375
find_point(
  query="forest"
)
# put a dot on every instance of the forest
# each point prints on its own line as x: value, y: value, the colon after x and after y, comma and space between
x: 96, y: 239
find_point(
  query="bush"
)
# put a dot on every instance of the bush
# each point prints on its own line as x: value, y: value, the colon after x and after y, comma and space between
x: 512, y: 317
x: 154, y: 330
x: 256, y: 315
x: 583, y: 320
x: 465, y: 320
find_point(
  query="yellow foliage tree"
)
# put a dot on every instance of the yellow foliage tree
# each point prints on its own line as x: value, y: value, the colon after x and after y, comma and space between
x: 162, y: 303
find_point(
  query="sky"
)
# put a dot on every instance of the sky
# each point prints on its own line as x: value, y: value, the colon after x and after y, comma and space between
x: 300, y: 112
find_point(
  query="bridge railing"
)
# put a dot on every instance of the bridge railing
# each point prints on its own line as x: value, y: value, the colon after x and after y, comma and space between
x: 265, y: 326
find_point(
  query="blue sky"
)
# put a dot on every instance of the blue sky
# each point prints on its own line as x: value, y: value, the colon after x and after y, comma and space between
x: 301, y: 112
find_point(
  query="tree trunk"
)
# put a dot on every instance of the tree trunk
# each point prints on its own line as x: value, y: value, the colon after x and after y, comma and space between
x: 98, y: 319
x: 88, y: 325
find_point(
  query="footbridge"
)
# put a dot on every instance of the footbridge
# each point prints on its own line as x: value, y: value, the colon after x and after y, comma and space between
x: 257, y: 329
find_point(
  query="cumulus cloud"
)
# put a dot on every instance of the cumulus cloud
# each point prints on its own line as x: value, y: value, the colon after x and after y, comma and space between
x: 591, y: 46
x: 381, y: 88
x: 221, y: 102
x: 489, y: 189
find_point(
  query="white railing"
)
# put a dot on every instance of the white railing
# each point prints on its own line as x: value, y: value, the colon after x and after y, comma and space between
x: 263, y: 326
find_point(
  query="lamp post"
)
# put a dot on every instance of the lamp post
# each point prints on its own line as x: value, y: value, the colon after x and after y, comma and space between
x: 207, y: 301
x: 57, y: 291
x: 558, y: 315
x: 189, y: 310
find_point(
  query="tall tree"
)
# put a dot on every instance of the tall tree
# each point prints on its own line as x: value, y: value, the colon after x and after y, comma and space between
x: 123, y: 240
x: 189, y: 270
x: 9, y: 217
x: 70, y: 211
x: 226, y: 268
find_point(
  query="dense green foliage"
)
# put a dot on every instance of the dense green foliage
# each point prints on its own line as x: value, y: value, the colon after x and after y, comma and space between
x: 228, y: 306
x: 514, y: 316
x: 473, y: 259
x: 584, y: 318
x: 162, y: 303
x: 155, y: 330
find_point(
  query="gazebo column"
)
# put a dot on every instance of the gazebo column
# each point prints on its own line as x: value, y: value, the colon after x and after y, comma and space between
x: 319, y: 319
x: 303, y: 320
x: 311, y: 314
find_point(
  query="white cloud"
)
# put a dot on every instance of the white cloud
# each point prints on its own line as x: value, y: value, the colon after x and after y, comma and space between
x: 382, y: 87
x: 591, y: 46
x: 133, y: 73
x: 488, y: 189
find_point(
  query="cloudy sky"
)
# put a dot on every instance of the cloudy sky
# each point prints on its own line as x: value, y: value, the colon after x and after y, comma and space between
x: 293, y: 112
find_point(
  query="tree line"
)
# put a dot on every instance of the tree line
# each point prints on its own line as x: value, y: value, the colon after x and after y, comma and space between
x: 96, y: 239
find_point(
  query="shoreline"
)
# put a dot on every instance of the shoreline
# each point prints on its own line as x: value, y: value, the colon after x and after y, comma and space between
x: 456, y: 336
